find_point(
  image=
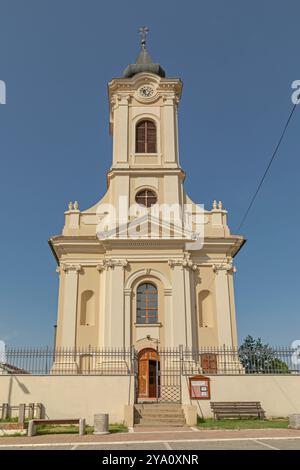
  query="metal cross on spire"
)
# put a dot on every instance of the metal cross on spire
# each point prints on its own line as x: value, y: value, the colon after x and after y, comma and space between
x: 143, y: 32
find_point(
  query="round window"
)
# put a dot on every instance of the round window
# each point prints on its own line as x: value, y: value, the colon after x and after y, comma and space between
x: 146, y: 198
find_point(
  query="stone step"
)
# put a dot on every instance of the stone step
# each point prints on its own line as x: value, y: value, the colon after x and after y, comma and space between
x: 158, y: 407
x: 161, y: 418
x: 165, y: 414
x: 144, y: 423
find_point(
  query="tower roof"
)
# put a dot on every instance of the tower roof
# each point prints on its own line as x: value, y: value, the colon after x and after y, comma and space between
x: 143, y: 62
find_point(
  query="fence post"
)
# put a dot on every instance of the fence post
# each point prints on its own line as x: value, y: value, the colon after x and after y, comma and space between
x: 5, y: 411
x: 22, y: 409
x: 40, y: 411
x: 31, y: 411
x: 181, y: 358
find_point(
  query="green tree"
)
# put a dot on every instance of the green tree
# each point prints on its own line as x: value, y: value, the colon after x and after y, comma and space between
x: 259, y: 358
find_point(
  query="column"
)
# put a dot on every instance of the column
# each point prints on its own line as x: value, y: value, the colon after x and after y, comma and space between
x: 223, y: 304
x: 168, y: 319
x: 117, y: 320
x: 188, y: 307
x: 169, y: 134
x: 68, y: 363
x: 69, y: 316
x: 179, y: 335
x: 120, y: 136
x: 127, y: 317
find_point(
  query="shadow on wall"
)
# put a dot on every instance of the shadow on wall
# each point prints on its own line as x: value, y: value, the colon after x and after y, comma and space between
x: 19, y: 383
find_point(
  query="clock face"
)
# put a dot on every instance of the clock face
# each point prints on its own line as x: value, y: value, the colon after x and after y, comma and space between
x: 146, y: 91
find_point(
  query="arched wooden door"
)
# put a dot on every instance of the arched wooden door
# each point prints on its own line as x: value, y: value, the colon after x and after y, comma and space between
x: 148, y: 374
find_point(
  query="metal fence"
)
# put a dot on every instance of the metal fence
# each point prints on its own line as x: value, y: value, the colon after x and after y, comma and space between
x: 67, y: 361
x: 122, y: 361
x: 236, y: 361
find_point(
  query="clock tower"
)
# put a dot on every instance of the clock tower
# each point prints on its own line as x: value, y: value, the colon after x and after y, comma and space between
x: 130, y: 273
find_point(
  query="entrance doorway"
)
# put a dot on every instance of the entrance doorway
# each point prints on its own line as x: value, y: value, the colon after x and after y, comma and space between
x: 148, y: 374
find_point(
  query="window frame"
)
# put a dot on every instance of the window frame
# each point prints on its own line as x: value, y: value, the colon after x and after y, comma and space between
x: 146, y: 142
x: 144, y: 297
x: 147, y: 196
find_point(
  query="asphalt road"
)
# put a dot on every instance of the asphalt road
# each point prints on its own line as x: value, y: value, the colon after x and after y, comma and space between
x: 193, y: 444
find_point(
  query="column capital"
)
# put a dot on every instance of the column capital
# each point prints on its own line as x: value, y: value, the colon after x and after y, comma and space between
x: 70, y: 267
x: 227, y: 267
x: 109, y: 263
x: 184, y: 263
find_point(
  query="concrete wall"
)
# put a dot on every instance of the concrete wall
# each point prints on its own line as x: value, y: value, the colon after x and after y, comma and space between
x: 70, y: 396
x: 278, y: 394
x: 83, y: 396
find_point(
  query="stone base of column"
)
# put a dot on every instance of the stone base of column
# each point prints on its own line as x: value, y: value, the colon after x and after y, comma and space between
x: 64, y: 368
x: 112, y: 367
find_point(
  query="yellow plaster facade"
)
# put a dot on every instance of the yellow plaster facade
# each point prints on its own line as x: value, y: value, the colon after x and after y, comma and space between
x: 99, y: 277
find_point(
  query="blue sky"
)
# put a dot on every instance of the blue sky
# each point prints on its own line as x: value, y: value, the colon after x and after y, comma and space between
x: 237, y: 60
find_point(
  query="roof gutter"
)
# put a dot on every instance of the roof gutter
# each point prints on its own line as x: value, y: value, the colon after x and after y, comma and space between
x: 240, y: 247
x: 53, y: 251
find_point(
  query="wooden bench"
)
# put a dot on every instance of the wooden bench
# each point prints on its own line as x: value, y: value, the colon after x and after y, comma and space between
x: 33, y: 423
x: 237, y: 409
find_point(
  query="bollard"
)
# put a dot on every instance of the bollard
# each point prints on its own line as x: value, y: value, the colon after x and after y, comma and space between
x: 22, y: 409
x: 81, y: 426
x: 101, y: 423
x: 294, y: 421
x: 31, y: 428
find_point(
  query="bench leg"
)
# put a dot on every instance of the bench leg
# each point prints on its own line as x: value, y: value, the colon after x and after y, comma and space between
x: 81, y: 426
x: 31, y: 428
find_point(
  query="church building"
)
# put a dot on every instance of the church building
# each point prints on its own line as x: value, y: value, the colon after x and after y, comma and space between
x: 131, y: 273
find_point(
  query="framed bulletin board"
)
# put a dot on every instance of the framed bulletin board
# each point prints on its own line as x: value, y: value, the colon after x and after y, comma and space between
x: 199, y: 387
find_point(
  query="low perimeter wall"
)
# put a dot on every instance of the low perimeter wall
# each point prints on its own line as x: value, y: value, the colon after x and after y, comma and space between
x: 70, y: 396
x: 83, y: 396
x: 278, y: 394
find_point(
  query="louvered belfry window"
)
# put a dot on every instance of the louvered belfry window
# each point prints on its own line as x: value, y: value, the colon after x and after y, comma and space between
x: 145, y: 137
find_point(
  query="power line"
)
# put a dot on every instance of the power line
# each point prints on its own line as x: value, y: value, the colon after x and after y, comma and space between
x: 264, y: 175
x: 267, y: 169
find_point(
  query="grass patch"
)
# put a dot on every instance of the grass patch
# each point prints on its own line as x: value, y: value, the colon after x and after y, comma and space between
x: 281, y: 423
x: 9, y: 420
x: 72, y: 429
x: 113, y: 428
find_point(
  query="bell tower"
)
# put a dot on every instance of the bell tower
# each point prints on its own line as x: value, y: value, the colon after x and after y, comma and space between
x: 144, y: 127
x: 143, y: 281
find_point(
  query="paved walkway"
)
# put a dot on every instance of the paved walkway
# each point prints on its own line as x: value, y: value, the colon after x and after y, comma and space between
x: 163, y: 439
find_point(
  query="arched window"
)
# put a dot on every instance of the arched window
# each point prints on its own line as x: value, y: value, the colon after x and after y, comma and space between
x: 146, y: 198
x: 87, y: 314
x: 146, y: 304
x: 206, y: 309
x: 145, y: 137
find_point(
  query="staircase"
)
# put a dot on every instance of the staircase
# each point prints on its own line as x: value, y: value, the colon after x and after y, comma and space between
x: 159, y: 414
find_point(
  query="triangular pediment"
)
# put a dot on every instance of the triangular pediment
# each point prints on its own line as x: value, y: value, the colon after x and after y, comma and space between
x: 148, y: 227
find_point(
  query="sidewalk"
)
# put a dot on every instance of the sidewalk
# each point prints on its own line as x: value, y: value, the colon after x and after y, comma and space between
x: 153, y: 434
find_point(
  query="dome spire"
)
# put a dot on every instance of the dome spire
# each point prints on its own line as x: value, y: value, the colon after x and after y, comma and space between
x: 143, y: 62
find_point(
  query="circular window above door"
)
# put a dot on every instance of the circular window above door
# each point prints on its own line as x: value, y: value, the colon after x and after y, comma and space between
x: 146, y: 198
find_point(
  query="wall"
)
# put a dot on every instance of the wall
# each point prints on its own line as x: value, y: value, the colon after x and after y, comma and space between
x: 279, y: 394
x: 83, y: 396
x: 70, y: 396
